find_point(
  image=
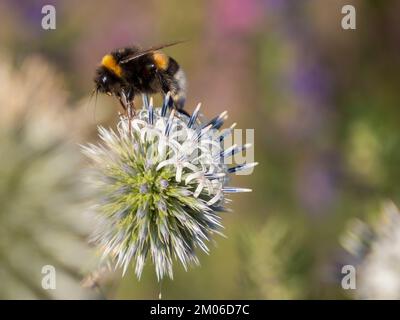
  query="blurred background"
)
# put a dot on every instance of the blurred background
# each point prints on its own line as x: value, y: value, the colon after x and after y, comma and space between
x: 324, y: 103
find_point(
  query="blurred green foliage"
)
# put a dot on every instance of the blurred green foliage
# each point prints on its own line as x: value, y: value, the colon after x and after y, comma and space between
x: 41, y: 221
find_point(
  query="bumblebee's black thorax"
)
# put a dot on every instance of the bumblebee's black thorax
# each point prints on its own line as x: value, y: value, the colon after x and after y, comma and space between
x: 141, y: 73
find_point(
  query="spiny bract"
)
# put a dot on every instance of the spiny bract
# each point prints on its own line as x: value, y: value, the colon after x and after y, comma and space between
x: 161, y: 180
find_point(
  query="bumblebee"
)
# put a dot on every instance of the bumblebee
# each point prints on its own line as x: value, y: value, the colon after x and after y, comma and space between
x: 129, y: 71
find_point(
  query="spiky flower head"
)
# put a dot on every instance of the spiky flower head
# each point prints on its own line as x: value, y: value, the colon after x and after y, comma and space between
x: 162, y: 180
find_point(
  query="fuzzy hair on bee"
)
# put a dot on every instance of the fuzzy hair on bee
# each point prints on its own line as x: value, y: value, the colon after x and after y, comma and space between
x: 129, y: 71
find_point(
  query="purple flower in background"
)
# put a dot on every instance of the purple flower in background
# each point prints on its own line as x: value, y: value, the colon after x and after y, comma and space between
x: 316, y: 186
x: 311, y: 81
x: 30, y: 10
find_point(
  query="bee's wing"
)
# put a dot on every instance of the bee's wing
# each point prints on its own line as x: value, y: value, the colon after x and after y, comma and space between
x: 146, y: 51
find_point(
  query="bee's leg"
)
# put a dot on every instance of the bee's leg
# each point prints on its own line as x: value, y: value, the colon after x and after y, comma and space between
x: 177, y: 97
x: 124, y: 101
x: 175, y: 102
x: 128, y: 104
x: 183, y: 112
x: 130, y: 113
x: 178, y: 102
x: 123, y: 106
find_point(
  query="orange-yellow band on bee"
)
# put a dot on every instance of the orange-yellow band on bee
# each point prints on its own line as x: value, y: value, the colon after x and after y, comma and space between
x: 160, y: 60
x: 109, y: 62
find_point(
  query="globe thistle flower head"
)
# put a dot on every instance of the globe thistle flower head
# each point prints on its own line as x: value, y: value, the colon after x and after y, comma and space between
x: 162, y: 181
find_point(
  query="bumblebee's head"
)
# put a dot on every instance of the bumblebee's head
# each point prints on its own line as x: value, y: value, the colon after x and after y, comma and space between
x: 105, y: 81
x: 108, y: 75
